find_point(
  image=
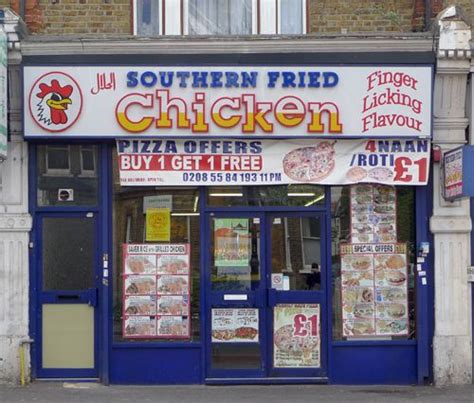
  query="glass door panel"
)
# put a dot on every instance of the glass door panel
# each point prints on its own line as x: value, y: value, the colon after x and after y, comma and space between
x: 296, y: 294
x: 296, y: 252
x: 236, y: 296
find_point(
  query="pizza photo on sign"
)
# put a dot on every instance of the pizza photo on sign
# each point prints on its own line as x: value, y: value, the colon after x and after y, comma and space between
x: 310, y: 164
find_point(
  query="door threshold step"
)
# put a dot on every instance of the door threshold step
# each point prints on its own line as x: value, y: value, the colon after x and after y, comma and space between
x: 66, y: 380
x: 266, y: 381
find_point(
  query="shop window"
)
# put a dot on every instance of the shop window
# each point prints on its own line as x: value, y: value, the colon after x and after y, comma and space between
x: 310, y: 241
x: 285, y: 195
x: 219, y: 17
x: 58, y: 161
x: 156, y: 263
x: 67, y: 175
x: 88, y: 163
x: 374, y: 290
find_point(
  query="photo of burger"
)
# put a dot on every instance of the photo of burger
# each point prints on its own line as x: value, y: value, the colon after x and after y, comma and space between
x: 388, y: 277
x: 391, y: 311
x: 396, y: 278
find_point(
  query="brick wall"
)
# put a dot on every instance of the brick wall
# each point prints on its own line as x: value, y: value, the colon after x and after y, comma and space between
x: 337, y: 16
x: 76, y: 17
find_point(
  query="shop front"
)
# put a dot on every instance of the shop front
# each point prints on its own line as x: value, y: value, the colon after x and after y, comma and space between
x: 230, y: 224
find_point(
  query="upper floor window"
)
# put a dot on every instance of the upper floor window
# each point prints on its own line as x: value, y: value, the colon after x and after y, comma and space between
x: 219, y: 17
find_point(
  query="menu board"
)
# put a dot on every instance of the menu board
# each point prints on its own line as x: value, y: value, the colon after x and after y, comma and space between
x: 373, y: 214
x: 296, y: 336
x: 230, y: 325
x: 374, y: 289
x: 156, y: 290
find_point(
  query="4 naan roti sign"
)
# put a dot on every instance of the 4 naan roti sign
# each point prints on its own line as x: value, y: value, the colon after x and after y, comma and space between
x: 174, y: 162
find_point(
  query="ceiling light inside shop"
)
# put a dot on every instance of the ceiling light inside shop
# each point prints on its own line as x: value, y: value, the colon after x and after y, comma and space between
x: 196, y: 201
x: 184, y: 214
x: 301, y: 194
x: 319, y: 198
x: 226, y: 194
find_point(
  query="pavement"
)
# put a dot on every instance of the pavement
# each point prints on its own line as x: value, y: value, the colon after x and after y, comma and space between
x: 52, y: 392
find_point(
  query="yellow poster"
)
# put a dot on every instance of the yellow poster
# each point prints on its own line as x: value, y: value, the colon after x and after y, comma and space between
x: 158, y: 222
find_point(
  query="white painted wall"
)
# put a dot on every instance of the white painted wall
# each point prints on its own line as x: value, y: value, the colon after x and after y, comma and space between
x: 451, y: 222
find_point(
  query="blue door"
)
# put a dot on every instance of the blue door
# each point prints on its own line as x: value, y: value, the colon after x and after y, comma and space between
x: 266, y: 296
x: 67, y: 295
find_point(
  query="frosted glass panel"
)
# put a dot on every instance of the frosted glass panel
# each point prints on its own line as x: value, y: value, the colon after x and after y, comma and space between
x: 68, y: 253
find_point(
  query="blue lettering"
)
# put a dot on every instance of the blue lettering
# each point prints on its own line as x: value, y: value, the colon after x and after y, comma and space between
x: 148, y: 79
x: 122, y: 145
x: 330, y: 79
x: 216, y: 77
x: 288, y: 79
x: 272, y: 78
x: 190, y: 146
x: 200, y: 79
x: 183, y: 76
x: 163, y: 81
x: 132, y: 79
x: 256, y: 147
x: 314, y: 77
x: 249, y: 79
x: 232, y: 79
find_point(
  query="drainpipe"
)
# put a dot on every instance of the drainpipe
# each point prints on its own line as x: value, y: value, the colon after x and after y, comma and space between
x: 22, y: 9
x: 23, y: 368
x: 427, y: 14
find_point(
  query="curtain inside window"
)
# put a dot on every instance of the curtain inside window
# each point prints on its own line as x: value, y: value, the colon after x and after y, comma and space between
x: 291, y: 16
x: 220, y: 17
x: 148, y: 18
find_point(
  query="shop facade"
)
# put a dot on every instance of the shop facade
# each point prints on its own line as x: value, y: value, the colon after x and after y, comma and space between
x: 200, y: 217
x: 199, y: 229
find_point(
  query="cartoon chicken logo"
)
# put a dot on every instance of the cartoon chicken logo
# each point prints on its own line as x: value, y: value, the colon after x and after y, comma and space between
x: 55, y: 101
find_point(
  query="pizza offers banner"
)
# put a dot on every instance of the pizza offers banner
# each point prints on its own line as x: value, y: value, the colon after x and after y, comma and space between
x: 227, y: 101
x: 174, y: 162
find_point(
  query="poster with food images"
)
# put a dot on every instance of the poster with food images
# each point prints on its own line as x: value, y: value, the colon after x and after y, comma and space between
x: 140, y: 305
x: 139, y: 285
x: 231, y: 242
x: 230, y: 325
x: 139, y: 326
x: 374, y: 288
x: 172, y: 326
x: 156, y: 288
x: 373, y: 212
x: 296, y: 336
x: 173, y: 305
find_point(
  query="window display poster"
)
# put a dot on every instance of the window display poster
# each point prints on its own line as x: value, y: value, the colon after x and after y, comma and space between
x: 296, y: 336
x: 156, y: 290
x: 231, y: 242
x: 235, y: 325
x: 374, y: 290
x: 158, y: 223
x: 373, y: 214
